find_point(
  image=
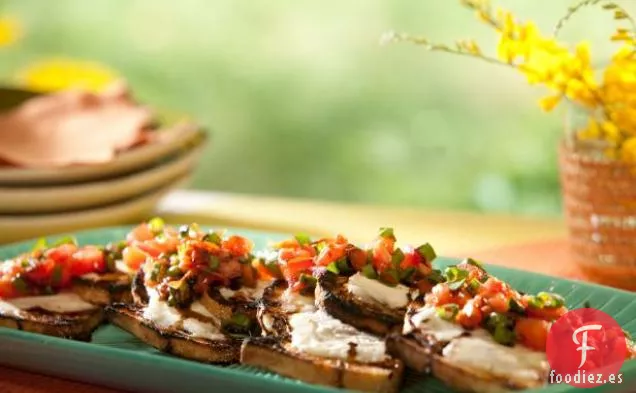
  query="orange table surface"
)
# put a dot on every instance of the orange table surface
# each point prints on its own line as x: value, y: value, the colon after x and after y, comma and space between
x: 549, y: 257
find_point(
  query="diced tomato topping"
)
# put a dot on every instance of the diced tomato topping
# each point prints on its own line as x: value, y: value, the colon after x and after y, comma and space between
x: 150, y: 247
x: 230, y: 269
x: 62, y: 252
x: 262, y: 271
x: 357, y: 258
x: 499, y: 303
x: 382, y: 252
x: 7, y: 290
x: 237, y: 246
x: 40, y: 273
x: 532, y: 333
x: 134, y: 257
x: 470, y: 315
x: 293, y: 268
x: 140, y: 233
x: 86, y: 260
x: 331, y: 253
x: 411, y: 259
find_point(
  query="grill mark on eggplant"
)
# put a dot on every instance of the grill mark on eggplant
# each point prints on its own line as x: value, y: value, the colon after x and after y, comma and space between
x: 77, y: 326
x: 333, y: 296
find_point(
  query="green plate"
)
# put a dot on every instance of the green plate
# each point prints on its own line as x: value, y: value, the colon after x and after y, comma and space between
x: 116, y: 359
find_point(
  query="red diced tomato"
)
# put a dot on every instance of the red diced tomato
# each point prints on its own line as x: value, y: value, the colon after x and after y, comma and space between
x: 7, y: 290
x: 295, y: 267
x: 140, y: 233
x: 331, y: 253
x: 499, y: 303
x: 533, y: 333
x: 88, y: 259
x: 62, y: 252
x: 237, y: 246
x: 230, y: 269
x: 134, y: 257
x: 491, y: 287
x: 470, y: 315
x: 411, y: 259
x: 40, y: 274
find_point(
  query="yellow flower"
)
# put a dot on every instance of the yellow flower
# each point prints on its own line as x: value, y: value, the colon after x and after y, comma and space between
x: 60, y: 74
x: 611, y: 131
x: 550, y: 102
x: 592, y: 131
x: 628, y: 150
x: 10, y: 30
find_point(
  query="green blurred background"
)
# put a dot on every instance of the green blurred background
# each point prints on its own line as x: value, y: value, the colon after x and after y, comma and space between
x: 304, y: 102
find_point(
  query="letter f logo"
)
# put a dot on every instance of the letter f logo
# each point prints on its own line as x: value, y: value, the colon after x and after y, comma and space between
x: 583, y: 343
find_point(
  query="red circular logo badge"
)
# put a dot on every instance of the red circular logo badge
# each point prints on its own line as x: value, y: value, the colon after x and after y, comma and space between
x: 586, y: 348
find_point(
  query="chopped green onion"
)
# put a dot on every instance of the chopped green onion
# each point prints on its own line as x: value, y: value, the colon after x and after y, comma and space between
x: 214, y: 262
x: 504, y: 335
x: 496, y: 319
x: 456, y: 277
x: 241, y: 320
x: 407, y: 273
x: 333, y: 267
x: 273, y: 267
x: 473, y: 286
x: 174, y: 271
x: 447, y: 312
x: 397, y: 257
x: 436, y: 276
x: 387, y: 233
x: 56, y: 275
x: 516, y: 307
x: 320, y: 246
x: 303, y: 238
x: 20, y: 285
x: 40, y: 244
x: 212, y: 237
x: 308, y: 279
x: 156, y: 225
x: 546, y: 300
x: 475, y: 263
x: 427, y: 252
x: 343, y: 265
x: 369, y: 272
x: 65, y: 240
x: 390, y: 277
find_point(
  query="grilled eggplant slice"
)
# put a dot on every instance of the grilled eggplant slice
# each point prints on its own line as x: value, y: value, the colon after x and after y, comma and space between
x: 77, y: 326
x: 333, y: 296
x: 278, y: 356
x: 130, y: 318
x: 462, y: 358
x: 277, y: 304
x: 104, y: 289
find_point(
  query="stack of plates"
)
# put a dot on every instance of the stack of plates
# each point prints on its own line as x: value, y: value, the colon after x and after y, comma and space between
x: 34, y: 202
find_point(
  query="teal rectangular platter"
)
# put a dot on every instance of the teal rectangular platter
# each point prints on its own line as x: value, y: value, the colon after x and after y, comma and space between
x: 118, y: 360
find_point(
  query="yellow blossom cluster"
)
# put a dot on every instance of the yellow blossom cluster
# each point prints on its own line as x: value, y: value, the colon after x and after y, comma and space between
x: 609, y: 99
x: 63, y: 73
x: 10, y: 30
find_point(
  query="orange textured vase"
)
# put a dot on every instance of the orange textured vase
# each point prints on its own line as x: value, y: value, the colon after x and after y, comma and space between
x: 600, y: 206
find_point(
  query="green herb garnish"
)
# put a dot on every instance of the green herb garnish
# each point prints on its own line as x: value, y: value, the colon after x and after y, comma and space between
x: 397, y: 257
x: 427, y: 252
x: 65, y: 240
x: 333, y: 267
x: 212, y: 237
x: 241, y: 320
x: 174, y: 271
x: 447, y: 312
x: 303, y: 238
x: 369, y: 272
x: 387, y: 233
x: 475, y: 263
x: 308, y: 279
x: 455, y: 277
x: 516, y: 307
x: 213, y: 262
x: 40, y: 244
x: 546, y: 300
x: 436, y: 276
x: 407, y: 273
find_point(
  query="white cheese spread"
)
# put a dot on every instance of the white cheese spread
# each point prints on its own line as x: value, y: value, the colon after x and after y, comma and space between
x: 166, y: 317
x: 295, y: 302
x: 482, y: 353
x: 427, y: 320
x: 250, y: 293
x: 317, y: 333
x: 366, y: 288
x: 65, y: 302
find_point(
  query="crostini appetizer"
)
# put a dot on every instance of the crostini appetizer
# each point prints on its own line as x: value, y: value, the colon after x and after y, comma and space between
x: 37, y: 290
x: 308, y: 344
x: 195, y: 293
x: 370, y: 288
x: 477, y: 334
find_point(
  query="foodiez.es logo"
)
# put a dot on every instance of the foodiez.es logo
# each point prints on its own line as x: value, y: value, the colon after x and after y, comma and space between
x: 586, y: 348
